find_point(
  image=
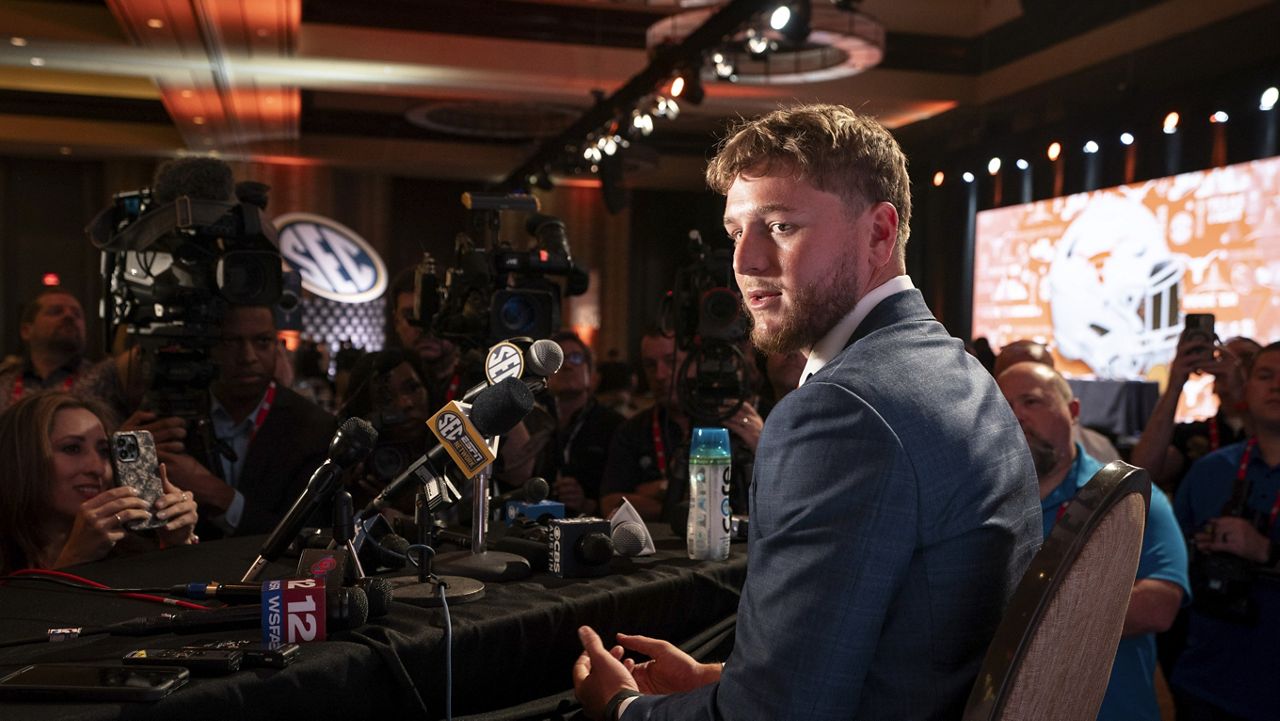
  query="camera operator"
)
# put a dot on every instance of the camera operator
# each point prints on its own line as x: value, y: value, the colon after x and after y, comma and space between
x: 649, y: 457
x: 1228, y: 504
x: 436, y: 358
x: 276, y: 436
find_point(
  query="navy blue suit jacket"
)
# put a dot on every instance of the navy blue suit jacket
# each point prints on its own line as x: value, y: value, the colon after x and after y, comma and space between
x: 893, y: 511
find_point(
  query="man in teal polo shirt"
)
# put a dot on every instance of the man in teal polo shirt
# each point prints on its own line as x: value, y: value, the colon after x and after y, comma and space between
x: 1044, y: 406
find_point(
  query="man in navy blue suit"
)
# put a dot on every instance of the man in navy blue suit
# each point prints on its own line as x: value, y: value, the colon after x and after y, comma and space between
x: 893, y: 508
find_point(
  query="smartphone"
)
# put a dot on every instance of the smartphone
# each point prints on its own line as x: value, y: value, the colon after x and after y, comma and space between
x: 133, y: 456
x: 206, y: 661
x: 84, y: 682
x: 1198, y: 326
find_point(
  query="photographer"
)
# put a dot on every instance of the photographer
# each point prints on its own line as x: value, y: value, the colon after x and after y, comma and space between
x: 1167, y: 449
x: 1228, y: 504
x: 58, y: 505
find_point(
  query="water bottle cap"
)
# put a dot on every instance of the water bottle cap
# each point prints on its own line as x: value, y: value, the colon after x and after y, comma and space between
x: 709, y: 442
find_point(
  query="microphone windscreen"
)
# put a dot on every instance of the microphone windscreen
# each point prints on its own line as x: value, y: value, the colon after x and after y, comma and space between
x: 393, y: 551
x: 545, y: 357
x: 195, y: 177
x: 629, y: 538
x: 354, y: 440
x: 536, y: 490
x: 378, y: 590
x: 352, y: 608
x: 595, y: 549
x: 498, y: 408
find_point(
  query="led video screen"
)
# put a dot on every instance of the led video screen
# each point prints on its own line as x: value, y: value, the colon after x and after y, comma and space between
x: 1104, y: 278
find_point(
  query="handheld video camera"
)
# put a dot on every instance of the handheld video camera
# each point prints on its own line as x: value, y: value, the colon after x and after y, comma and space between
x: 704, y: 313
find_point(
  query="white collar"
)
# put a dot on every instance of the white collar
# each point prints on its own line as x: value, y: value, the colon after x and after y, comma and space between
x: 836, y: 338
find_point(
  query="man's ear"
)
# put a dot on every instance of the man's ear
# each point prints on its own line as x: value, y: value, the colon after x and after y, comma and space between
x: 883, y: 245
x: 1074, y: 408
x: 24, y: 332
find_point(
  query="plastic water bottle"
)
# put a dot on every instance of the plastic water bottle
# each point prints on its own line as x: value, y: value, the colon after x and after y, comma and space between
x: 709, y: 512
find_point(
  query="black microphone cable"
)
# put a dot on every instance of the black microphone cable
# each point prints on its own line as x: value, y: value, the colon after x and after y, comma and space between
x: 80, y: 583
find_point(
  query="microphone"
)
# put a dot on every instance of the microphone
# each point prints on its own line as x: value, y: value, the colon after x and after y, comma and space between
x: 629, y: 538
x: 353, y: 441
x: 496, y: 410
x: 529, y: 501
x: 580, y: 547
x: 345, y: 608
x: 540, y: 359
x: 534, y: 490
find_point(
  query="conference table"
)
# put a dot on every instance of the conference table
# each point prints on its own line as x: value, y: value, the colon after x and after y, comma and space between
x: 514, y: 645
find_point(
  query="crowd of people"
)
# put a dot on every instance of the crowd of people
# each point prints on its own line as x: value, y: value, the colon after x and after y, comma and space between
x: 892, y: 491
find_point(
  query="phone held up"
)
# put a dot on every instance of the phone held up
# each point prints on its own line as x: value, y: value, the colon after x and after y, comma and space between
x: 134, y: 460
x: 1199, y: 327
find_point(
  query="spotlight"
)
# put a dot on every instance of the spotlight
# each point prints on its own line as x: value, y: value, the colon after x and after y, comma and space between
x: 1055, y: 149
x: 757, y: 43
x: 592, y: 153
x: 1269, y: 98
x: 691, y: 89
x: 50, y: 280
x: 724, y: 68
x: 677, y: 86
x: 610, y: 146
x: 1126, y: 138
x: 968, y: 177
x: 1091, y: 147
x: 780, y: 17
x: 938, y: 177
x: 1219, y: 117
x: 1170, y: 123
x: 1022, y: 164
x: 993, y: 166
x: 642, y: 122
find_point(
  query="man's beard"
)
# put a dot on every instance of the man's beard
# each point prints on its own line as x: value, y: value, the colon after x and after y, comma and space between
x: 813, y: 311
x: 1043, y: 455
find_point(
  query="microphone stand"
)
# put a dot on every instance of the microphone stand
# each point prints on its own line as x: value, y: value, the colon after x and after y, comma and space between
x: 424, y: 588
x: 478, y: 562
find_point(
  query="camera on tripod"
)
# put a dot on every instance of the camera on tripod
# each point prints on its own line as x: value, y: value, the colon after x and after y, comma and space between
x: 704, y: 313
x: 494, y: 291
x: 171, y: 269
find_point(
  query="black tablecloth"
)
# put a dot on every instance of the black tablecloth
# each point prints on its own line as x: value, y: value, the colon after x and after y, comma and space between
x: 516, y: 644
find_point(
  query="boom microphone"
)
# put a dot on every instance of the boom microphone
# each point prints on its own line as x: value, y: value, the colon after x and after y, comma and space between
x: 496, y: 410
x: 350, y: 445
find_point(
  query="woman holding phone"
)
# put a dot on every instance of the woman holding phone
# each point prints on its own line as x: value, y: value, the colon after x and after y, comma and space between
x: 58, y: 504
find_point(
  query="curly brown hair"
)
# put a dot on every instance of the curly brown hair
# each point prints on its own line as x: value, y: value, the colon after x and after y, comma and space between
x: 831, y: 147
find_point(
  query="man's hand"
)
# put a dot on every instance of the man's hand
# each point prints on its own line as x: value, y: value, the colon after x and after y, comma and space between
x: 1234, y: 535
x: 570, y: 493
x: 186, y: 473
x: 670, y: 670
x: 746, y: 424
x: 598, y: 674
x: 169, y: 433
x: 1192, y: 356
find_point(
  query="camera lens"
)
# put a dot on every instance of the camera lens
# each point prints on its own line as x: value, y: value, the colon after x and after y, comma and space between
x: 517, y: 314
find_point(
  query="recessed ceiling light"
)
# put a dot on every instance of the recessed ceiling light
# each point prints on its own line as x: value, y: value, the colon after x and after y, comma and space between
x: 64, y: 150
x: 18, y: 42
x: 37, y: 62
x: 155, y: 23
x: 198, y: 120
x: 187, y: 93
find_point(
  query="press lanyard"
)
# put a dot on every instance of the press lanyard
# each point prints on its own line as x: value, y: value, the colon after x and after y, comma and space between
x: 263, y: 409
x: 1215, y: 436
x: 659, y: 447
x: 19, y: 388
x: 452, y: 391
x: 577, y: 426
